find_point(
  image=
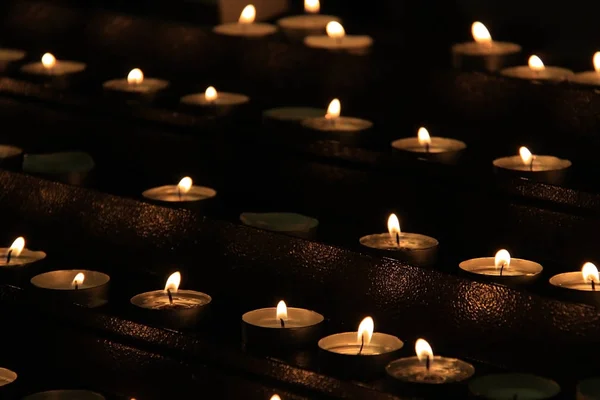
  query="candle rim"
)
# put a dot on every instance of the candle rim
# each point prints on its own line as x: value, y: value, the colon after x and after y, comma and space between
x: 506, y: 163
x: 450, y: 144
x: 564, y: 275
x: 56, y: 393
x: 103, y: 278
x: 319, y: 318
x: 138, y: 299
x: 396, y: 343
x: 434, y: 242
x: 36, y: 255
x: 464, y: 265
x: 468, y: 372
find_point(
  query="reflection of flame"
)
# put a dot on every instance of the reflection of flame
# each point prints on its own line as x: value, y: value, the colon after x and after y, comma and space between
x: 185, y: 185
x: 312, y: 6
x: 365, y: 330
x: 335, y: 30
x: 596, y: 61
x: 536, y: 64
x: 526, y: 155
x: 480, y: 33
x: 502, y: 259
x: 135, y: 76
x: 393, y: 226
x: 48, y: 60
x: 78, y: 280
x: 173, y: 282
x: 210, y: 94
x: 423, y: 137
x: 334, y: 110
x: 590, y: 273
x: 423, y: 350
x: 248, y: 15
x: 282, y: 311
x: 17, y: 247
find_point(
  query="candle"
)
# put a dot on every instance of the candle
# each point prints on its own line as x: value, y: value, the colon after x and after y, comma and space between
x: 588, y: 389
x: 429, y: 148
x: 413, y: 248
x: 51, y: 68
x: 87, y: 288
x: 246, y: 27
x: 337, y: 40
x: 542, y: 168
x: 589, y: 78
x: 311, y: 23
x: 7, y: 376
x: 361, y: 354
x: 173, y: 307
x: 11, y: 157
x: 136, y: 85
x: 580, y: 286
x: 281, y: 327
x: 503, y: 269
x: 185, y: 191
x: 483, y: 53
x: 10, y: 56
x: 18, y: 256
x: 343, y: 128
x: 65, y: 395
x: 68, y: 167
x: 513, y: 386
x: 537, y: 71
x: 219, y: 103
x: 289, y: 223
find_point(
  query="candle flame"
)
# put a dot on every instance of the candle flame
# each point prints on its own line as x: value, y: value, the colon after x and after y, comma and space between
x: 312, y: 6
x: 393, y: 226
x: 502, y: 258
x: 48, y: 60
x: 536, y: 64
x: 335, y: 30
x: 173, y: 282
x: 135, y: 76
x: 423, y: 137
x: 211, y: 93
x: 185, y: 185
x: 480, y: 33
x: 275, y: 397
x: 526, y: 155
x: 590, y: 273
x: 596, y: 61
x: 423, y: 350
x: 282, y: 311
x: 365, y: 330
x: 334, y: 110
x: 17, y: 246
x: 248, y: 15
x: 78, y: 280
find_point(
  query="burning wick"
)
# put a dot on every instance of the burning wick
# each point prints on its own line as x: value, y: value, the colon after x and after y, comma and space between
x: 282, y: 322
x: 170, y: 296
x: 362, y: 344
x: 179, y: 192
x: 427, y: 148
x: 502, y: 268
x: 427, y: 362
x: 398, y: 239
x: 593, y: 285
x: 76, y: 285
x: 8, y: 256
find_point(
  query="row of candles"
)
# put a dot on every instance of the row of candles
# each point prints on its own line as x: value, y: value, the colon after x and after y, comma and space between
x: 363, y: 354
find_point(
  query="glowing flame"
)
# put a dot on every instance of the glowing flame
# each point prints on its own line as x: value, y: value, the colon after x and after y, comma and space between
x: 210, y: 94
x: 334, y: 110
x: 312, y: 6
x: 393, y: 226
x: 590, y: 273
x: 135, y: 76
x: 185, y: 185
x: 78, y: 280
x: 502, y: 258
x: 423, y: 350
x: 536, y: 64
x: 48, y: 60
x: 335, y: 30
x: 275, y: 397
x: 423, y: 137
x: 526, y: 155
x: 596, y: 61
x: 17, y: 247
x: 282, y: 311
x: 480, y: 33
x: 248, y: 15
x: 173, y: 282
x: 365, y: 330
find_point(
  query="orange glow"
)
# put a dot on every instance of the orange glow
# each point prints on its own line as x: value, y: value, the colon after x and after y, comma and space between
x: 393, y: 226
x: 173, y: 282
x: 596, y: 61
x: 211, y: 93
x: 282, y: 311
x: 365, y: 330
x: 423, y: 350
x: 590, y: 273
x: 248, y: 15
x: 185, y: 185
x: 536, y: 64
x: 135, y: 76
x: 423, y: 137
x: 334, y: 110
x: 78, y: 280
x: 48, y: 60
x: 480, y: 33
x: 17, y: 247
x: 335, y: 30
x: 526, y: 155
x: 312, y: 6
x: 502, y: 259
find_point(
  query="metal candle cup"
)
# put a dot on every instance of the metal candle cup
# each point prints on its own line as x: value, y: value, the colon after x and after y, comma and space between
x: 16, y: 261
x: 337, y: 40
x: 473, y: 56
x: 11, y: 157
x: 136, y: 86
x: 344, y: 129
x: 59, y: 286
x: 7, y: 385
x: 65, y: 395
x: 56, y: 73
x: 588, y: 389
x: 536, y: 71
x: 547, y: 169
x: 425, y: 147
x: 510, y: 386
x: 184, y: 193
x: 414, y: 248
x: 246, y: 27
x: 513, y: 271
x: 213, y: 102
x: 581, y: 286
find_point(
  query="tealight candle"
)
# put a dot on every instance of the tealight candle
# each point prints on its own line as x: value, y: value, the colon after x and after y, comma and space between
x: 15, y: 259
x: 289, y: 223
x: 337, y: 40
x: 413, y: 248
x: 513, y: 386
x: 362, y: 354
x: 537, y: 71
x: 281, y: 327
x: 184, y: 191
x: 343, y: 128
x: 542, y: 168
x: 429, y: 148
x: 246, y: 27
x: 87, y: 288
x: 312, y: 23
x: 65, y: 395
x: 483, y: 53
x: 70, y: 167
x: 503, y: 269
x: 580, y: 286
x: 11, y: 157
x: 10, y: 56
x: 588, y: 389
x: 589, y: 78
x: 7, y: 376
x: 219, y: 103
x: 136, y: 85
x: 51, y: 68
x: 171, y: 306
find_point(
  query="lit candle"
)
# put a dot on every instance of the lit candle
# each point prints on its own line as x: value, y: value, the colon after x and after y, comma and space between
x: 337, y: 40
x: 11, y: 157
x: 589, y: 78
x: 87, y: 288
x: 246, y: 27
x: 542, y: 168
x: 17, y: 255
x: 220, y: 103
x: 513, y: 386
x: 7, y: 377
x: 173, y: 307
x: 136, y: 84
x: 70, y: 167
x: 361, y: 354
x: 334, y: 124
x: 65, y: 395
x: 413, y: 248
x: 583, y: 286
x: 537, y: 71
x: 588, y: 389
x: 483, y: 53
x: 503, y: 269
x: 430, y: 148
x: 10, y: 56
x: 49, y: 66
x: 312, y: 23
x: 281, y: 327
x: 288, y: 223
x: 184, y: 191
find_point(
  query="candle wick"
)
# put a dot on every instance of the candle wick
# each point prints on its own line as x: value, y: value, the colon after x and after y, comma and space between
x: 76, y: 285
x: 426, y: 147
x: 502, y: 268
x: 398, y: 239
x: 179, y: 192
x: 593, y: 285
x: 8, y: 256
x: 362, y: 344
x: 427, y: 363
x: 170, y: 296
x: 282, y: 322
x: 531, y: 165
